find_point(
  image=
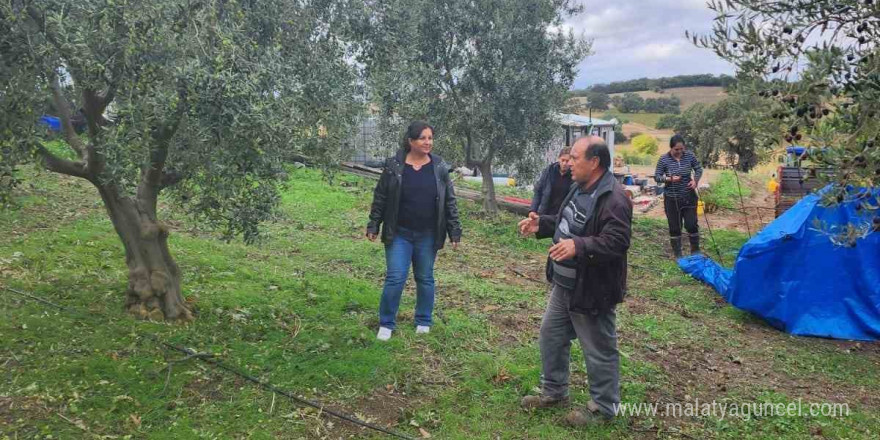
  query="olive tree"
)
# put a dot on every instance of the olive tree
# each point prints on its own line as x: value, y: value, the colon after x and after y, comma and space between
x: 738, y: 128
x: 819, y: 65
x: 489, y: 74
x: 198, y: 98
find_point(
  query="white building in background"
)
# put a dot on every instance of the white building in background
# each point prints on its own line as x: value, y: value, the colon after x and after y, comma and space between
x: 365, y: 146
x: 576, y: 126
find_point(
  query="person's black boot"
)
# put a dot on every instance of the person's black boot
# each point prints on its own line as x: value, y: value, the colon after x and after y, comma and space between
x: 676, y: 246
x: 695, y: 242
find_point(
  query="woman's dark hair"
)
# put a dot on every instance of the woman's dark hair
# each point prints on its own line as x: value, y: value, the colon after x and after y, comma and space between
x: 675, y: 140
x: 413, y: 132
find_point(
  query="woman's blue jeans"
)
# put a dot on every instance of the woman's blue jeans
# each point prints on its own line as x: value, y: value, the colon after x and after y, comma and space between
x: 408, y: 246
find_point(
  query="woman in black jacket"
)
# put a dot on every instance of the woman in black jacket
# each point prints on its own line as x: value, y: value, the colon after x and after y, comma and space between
x: 414, y: 202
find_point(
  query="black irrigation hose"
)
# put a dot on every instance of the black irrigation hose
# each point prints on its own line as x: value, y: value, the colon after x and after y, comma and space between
x: 265, y: 385
x: 742, y: 203
x: 711, y: 235
x: 268, y: 386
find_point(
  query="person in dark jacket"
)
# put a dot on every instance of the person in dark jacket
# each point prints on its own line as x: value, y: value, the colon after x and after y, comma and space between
x: 587, y: 266
x: 414, y: 202
x: 553, y: 185
x: 680, y: 196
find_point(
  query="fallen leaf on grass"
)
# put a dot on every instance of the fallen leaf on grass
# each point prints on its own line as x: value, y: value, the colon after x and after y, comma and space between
x: 502, y: 377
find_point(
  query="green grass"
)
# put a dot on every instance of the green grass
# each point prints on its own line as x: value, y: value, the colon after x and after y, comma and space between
x: 725, y: 192
x: 647, y: 119
x: 60, y: 148
x: 299, y: 310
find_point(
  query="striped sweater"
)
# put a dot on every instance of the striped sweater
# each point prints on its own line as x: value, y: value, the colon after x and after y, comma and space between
x: 669, y: 166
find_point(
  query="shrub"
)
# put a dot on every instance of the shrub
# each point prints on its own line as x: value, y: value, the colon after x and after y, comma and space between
x: 645, y: 144
x: 724, y: 193
x: 667, y: 122
x: 634, y: 158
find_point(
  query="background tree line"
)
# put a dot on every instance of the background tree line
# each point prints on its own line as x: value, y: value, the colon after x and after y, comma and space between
x: 633, y: 103
x: 671, y: 82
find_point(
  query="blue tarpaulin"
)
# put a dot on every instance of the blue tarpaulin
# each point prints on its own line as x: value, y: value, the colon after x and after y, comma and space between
x: 51, y: 121
x: 796, y: 150
x: 793, y: 276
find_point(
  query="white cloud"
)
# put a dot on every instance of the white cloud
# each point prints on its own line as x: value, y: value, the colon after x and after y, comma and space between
x: 644, y: 38
x: 656, y: 51
x: 603, y: 22
x: 682, y: 4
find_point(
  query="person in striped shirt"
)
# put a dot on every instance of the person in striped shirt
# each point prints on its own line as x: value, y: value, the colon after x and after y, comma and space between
x: 674, y: 171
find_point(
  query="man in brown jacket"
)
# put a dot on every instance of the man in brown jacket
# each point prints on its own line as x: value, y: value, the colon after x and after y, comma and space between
x: 587, y: 266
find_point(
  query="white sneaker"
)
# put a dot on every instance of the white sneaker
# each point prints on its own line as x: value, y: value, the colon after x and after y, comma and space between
x: 384, y: 334
x: 423, y: 329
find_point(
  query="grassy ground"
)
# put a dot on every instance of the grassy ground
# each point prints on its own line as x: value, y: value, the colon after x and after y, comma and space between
x: 299, y: 310
x: 726, y: 192
x: 646, y: 119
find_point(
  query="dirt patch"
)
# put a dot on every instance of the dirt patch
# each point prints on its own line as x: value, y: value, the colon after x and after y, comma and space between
x: 210, y: 386
x: 711, y: 375
x: 14, y: 409
x: 749, y: 216
x: 528, y: 276
x: 515, y: 328
x: 387, y: 407
x: 694, y: 372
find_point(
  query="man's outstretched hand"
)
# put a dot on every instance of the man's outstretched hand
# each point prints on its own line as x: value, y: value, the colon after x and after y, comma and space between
x: 529, y: 225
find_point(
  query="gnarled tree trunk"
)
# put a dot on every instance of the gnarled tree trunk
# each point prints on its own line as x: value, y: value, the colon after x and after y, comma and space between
x: 153, y: 276
x: 490, y: 205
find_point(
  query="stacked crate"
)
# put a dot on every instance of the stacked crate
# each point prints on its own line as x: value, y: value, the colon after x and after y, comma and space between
x: 794, y: 184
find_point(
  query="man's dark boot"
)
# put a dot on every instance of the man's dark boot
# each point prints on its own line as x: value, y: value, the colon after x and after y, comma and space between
x: 695, y: 243
x: 578, y: 418
x: 676, y: 246
x: 538, y: 402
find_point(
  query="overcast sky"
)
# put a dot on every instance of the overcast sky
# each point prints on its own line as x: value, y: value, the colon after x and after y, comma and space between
x: 644, y: 38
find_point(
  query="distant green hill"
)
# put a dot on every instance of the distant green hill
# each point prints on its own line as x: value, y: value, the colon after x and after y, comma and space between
x: 672, y: 82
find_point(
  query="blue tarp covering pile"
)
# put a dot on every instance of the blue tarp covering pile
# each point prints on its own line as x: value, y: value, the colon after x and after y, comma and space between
x: 793, y: 275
